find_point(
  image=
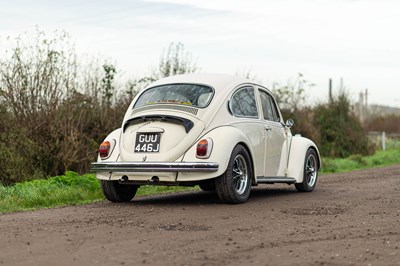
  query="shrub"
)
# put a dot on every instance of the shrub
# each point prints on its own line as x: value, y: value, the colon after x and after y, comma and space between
x: 388, y: 123
x: 56, y: 110
x: 341, y: 133
x: 292, y: 100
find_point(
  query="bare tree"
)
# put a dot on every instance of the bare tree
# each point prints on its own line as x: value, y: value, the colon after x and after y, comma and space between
x: 292, y: 96
x: 176, y: 61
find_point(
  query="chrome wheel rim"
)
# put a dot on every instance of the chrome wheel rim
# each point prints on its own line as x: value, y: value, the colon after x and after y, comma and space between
x: 240, y: 174
x: 311, y: 170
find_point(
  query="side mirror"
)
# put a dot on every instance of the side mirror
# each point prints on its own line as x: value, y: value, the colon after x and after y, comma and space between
x: 289, y: 123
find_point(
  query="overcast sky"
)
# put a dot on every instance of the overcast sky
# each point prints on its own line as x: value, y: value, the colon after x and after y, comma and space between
x: 357, y: 40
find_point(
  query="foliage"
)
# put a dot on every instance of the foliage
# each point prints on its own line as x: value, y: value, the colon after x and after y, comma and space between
x: 108, y: 88
x: 56, y: 109
x: 341, y: 133
x: 332, y: 125
x: 52, y: 123
x: 292, y: 102
x: 292, y: 96
x: 388, y: 123
x: 175, y: 61
x: 15, y: 152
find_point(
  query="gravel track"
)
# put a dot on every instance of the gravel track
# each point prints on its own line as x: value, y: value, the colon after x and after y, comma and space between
x: 350, y: 219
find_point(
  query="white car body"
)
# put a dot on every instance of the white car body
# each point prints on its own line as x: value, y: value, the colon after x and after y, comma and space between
x: 275, y: 155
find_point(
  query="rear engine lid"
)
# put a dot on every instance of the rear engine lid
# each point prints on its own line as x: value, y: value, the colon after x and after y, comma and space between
x: 162, y: 138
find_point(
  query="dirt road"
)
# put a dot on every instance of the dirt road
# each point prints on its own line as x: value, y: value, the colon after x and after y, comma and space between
x: 350, y: 219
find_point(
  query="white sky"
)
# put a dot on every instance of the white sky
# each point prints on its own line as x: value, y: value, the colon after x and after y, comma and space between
x: 357, y: 40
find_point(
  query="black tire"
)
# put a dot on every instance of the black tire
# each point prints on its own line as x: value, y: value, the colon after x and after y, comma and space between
x: 116, y: 192
x: 310, y: 173
x: 207, y: 185
x: 235, y: 184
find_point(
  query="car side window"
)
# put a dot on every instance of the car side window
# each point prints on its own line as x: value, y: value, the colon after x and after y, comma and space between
x: 243, y: 103
x: 269, y: 108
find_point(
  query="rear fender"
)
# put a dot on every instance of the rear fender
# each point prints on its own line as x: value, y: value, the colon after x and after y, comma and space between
x: 298, y: 149
x: 224, y: 138
x: 113, y: 138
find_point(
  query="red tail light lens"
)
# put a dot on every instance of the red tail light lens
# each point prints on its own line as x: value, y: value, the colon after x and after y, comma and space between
x: 104, y: 149
x: 204, y: 147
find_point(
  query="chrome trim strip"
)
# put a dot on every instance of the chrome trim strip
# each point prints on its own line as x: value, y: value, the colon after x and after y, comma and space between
x: 154, y: 167
x: 277, y: 179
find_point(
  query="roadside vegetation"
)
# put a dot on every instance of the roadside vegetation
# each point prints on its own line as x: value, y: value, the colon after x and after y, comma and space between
x: 65, y: 190
x: 56, y: 107
x: 75, y: 189
x: 357, y: 162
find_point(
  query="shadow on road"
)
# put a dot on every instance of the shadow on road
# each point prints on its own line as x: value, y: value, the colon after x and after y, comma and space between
x: 201, y: 197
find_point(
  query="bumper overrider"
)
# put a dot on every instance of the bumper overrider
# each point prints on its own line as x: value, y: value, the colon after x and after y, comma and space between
x: 119, y: 167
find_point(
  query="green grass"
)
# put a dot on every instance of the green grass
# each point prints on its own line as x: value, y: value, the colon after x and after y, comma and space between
x: 75, y: 189
x: 356, y: 162
x: 70, y: 189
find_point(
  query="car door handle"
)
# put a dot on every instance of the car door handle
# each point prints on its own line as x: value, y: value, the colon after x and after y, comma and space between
x: 268, y: 128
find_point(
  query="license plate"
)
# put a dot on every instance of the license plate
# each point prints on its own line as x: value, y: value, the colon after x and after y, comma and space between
x: 147, y: 142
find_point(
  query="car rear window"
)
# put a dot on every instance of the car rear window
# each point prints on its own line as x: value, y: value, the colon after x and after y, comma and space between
x: 184, y: 94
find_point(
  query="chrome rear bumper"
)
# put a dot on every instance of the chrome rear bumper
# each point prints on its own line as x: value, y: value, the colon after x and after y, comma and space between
x: 154, y: 167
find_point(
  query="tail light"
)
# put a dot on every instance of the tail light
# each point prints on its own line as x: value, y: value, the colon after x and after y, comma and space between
x: 104, y: 150
x: 204, y: 148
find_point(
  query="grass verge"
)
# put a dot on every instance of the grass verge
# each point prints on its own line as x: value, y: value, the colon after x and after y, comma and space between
x: 75, y: 189
x: 357, y: 162
x: 70, y: 189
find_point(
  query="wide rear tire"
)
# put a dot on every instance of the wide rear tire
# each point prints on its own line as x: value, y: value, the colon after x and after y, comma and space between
x: 235, y: 184
x: 116, y: 192
x: 207, y: 185
x: 310, y: 174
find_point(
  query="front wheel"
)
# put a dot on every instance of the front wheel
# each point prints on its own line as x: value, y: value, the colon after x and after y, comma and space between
x: 116, y: 192
x: 234, y: 185
x: 310, y: 173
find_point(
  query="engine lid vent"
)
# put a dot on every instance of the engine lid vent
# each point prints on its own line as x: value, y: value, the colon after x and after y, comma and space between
x: 186, y: 109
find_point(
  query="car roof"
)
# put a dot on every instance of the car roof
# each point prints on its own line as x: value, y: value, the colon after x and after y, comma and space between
x: 219, y: 82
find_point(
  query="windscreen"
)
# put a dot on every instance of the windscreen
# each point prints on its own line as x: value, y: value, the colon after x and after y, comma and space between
x: 185, y: 94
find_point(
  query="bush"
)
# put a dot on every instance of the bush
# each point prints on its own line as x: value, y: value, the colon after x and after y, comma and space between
x: 388, y: 123
x: 292, y: 102
x: 52, y: 118
x: 16, y: 153
x: 341, y: 133
x: 56, y: 110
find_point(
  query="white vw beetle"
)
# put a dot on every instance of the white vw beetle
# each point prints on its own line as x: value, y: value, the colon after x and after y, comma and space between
x: 220, y: 132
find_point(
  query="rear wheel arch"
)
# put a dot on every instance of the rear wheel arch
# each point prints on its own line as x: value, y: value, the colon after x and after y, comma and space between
x: 310, y: 172
x: 298, y: 149
x: 253, y: 178
x: 225, y: 139
x: 318, y: 156
x: 234, y: 185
